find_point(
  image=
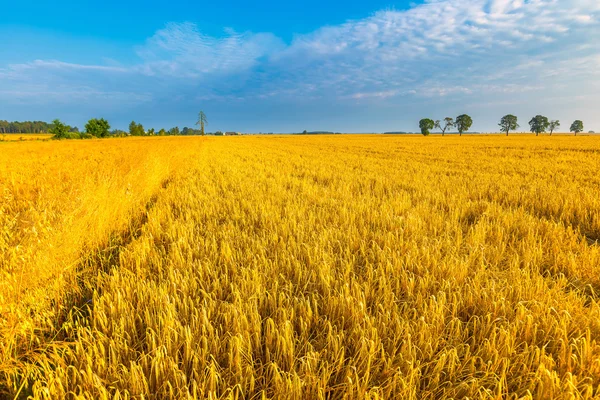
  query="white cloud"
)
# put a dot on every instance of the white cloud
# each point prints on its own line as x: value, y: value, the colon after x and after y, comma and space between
x: 454, y: 49
x: 380, y: 95
x: 59, y: 65
x: 181, y: 50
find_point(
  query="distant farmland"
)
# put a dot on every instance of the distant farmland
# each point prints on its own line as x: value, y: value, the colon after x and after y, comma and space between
x: 24, y: 136
x: 293, y: 267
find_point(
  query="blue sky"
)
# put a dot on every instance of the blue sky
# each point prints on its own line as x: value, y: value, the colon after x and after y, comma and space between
x: 273, y: 66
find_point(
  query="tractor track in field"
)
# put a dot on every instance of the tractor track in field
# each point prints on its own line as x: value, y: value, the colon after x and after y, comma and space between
x: 78, y: 303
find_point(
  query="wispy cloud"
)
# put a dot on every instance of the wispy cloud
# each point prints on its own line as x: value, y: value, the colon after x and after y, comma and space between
x: 455, y: 51
x: 182, y: 51
x: 455, y: 44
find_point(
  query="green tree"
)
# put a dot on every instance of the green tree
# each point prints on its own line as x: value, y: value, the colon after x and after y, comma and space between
x: 539, y: 124
x: 59, y: 130
x: 151, y: 132
x: 136, y: 129
x: 463, y: 123
x: 133, y: 128
x: 202, y: 120
x: 554, y: 124
x: 99, y: 128
x: 426, y: 124
x: 162, y: 132
x: 508, y: 123
x: 448, y: 123
x: 577, y: 127
x: 174, y: 131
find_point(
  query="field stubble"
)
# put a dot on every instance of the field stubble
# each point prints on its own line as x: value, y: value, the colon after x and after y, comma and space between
x: 301, y: 267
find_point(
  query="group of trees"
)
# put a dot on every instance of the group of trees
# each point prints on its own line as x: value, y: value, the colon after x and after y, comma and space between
x: 100, y: 128
x: 95, y: 127
x: 28, y: 127
x: 462, y: 123
x: 538, y: 124
x: 136, y: 129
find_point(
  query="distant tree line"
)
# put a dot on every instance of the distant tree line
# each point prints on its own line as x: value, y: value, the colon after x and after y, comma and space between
x: 27, y: 127
x: 100, y: 128
x: 317, y: 133
x: 538, y: 124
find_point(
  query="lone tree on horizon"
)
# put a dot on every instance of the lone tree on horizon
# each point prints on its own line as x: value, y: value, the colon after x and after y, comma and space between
x: 448, y: 123
x: 554, y: 124
x: 577, y: 127
x: 426, y: 124
x: 201, y: 121
x: 463, y: 123
x: 539, y: 124
x: 508, y: 123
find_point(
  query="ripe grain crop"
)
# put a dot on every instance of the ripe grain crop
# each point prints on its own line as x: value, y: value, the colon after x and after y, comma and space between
x: 356, y: 267
x: 11, y: 137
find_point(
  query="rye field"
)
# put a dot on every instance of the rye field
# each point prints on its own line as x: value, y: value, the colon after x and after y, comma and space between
x: 301, y: 267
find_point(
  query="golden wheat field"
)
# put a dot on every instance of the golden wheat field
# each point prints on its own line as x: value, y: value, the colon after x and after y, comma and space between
x: 11, y: 137
x: 294, y: 267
